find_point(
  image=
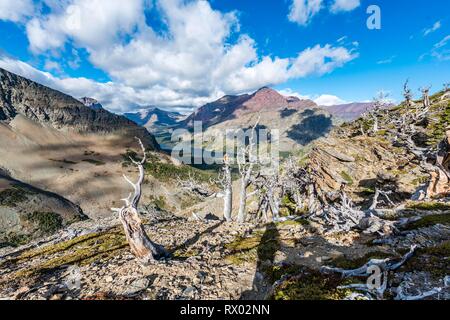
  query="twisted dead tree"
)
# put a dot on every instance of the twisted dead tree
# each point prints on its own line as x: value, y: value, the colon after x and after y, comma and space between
x: 380, y: 102
x: 191, y: 184
x: 299, y: 183
x: 383, y: 265
x: 407, y: 127
x: 246, y: 163
x: 407, y: 94
x: 226, y: 181
x: 425, y: 98
x: 270, y: 192
x: 141, y: 246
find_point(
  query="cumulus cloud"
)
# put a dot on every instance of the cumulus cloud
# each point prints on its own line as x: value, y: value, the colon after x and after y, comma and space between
x: 328, y: 100
x: 321, y: 100
x: 197, y: 56
x: 302, y: 11
x: 288, y: 92
x: 16, y: 10
x: 344, y: 5
x: 321, y: 60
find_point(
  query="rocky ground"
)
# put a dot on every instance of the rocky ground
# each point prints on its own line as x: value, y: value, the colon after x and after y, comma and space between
x: 217, y: 260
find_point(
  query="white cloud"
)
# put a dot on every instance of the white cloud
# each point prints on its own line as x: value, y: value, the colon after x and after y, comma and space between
x: 90, y: 23
x: 52, y: 66
x: 436, y: 26
x: 440, y: 50
x: 302, y: 11
x: 15, y: 10
x: 387, y: 61
x: 191, y: 61
x: 321, y: 60
x: 321, y: 100
x: 288, y: 92
x: 344, y: 5
x: 328, y: 100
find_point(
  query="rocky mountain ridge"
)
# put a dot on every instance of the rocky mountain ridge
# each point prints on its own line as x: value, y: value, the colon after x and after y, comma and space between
x: 44, y: 105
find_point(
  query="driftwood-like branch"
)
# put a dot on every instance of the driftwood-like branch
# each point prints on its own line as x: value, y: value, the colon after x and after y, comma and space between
x: 141, y: 245
x: 402, y: 296
x: 191, y: 184
x: 388, y: 264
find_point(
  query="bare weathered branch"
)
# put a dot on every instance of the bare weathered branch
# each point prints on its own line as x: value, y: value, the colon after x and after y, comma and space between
x: 141, y: 245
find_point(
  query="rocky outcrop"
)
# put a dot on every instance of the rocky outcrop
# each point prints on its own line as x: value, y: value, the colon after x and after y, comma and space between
x: 91, y: 103
x: 44, y: 105
x: 27, y: 212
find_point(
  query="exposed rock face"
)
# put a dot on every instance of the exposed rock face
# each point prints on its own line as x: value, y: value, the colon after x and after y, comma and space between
x: 44, y: 105
x: 440, y: 180
x: 231, y: 107
x: 91, y: 103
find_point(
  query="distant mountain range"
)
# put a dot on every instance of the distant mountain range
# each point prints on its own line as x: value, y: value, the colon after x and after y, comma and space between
x: 234, y: 107
x: 155, y: 119
x: 349, y: 111
x: 300, y: 121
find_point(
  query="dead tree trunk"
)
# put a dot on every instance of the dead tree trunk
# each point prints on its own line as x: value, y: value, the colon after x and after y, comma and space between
x: 426, y: 98
x: 407, y: 94
x: 246, y: 164
x: 227, y: 184
x: 141, y: 246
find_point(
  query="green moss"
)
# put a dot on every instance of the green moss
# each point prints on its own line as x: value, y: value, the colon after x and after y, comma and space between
x: 420, y: 180
x: 12, y: 196
x: 159, y: 202
x: 434, y: 260
x: 428, y: 221
x: 302, y: 222
x: 428, y: 206
x: 46, y: 222
x: 438, y: 122
x: 347, y: 178
x: 81, y: 250
x: 311, y: 285
x: 382, y: 133
x: 14, y: 240
x: 182, y: 253
x: 260, y: 247
x: 342, y: 262
x: 94, y: 162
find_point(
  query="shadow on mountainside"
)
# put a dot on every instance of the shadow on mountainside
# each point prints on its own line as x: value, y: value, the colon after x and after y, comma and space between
x: 313, y: 126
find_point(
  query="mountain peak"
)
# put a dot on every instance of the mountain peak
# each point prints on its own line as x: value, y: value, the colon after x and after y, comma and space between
x: 91, y: 103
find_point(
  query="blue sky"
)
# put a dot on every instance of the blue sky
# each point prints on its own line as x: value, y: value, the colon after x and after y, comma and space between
x: 178, y: 54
